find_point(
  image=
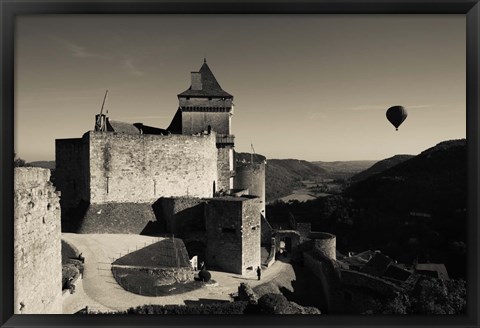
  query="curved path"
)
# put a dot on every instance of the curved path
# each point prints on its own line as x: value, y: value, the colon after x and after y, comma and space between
x: 100, y: 292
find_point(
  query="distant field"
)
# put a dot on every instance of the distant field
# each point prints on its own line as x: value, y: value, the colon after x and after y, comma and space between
x: 299, y: 197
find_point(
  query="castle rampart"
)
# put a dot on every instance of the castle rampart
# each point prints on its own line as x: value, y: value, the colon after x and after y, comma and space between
x: 136, y: 168
x: 37, y: 250
x: 142, y: 168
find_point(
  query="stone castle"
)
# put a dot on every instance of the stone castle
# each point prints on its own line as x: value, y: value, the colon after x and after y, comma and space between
x: 183, y: 180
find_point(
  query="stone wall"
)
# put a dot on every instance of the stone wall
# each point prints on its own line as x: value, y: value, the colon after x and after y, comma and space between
x: 199, y: 113
x: 131, y: 218
x: 324, y: 269
x: 325, y: 244
x: 195, y: 122
x: 204, y: 102
x: 251, y: 237
x: 304, y: 229
x: 181, y: 215
x: 224, y: 167
x: 290, y: 237
x: 375, y: 284
x: 347, y: 291
x: 233, y: 234
x: 69, y: 171
x: 223, y: 219
x: 266, y: 232
x: 37, y: 249
x: 143, y: 168
x: 163, y: 276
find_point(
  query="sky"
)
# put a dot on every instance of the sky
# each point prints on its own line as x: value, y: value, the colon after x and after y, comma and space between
x: 312, y: 87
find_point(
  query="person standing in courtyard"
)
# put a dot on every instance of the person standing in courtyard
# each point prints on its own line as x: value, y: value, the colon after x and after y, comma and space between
x: 259, y: 273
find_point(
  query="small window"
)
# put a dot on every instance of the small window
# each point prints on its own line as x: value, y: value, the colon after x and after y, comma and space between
x: 209, y: 98
x: 188, y: 98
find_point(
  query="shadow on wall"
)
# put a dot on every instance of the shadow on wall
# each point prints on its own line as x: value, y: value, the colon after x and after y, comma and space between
x: 158, y: 212
x: 73, y: 219
x: 153, y: 228
x: 196, y: 248
x: 179, y: 215
x: 129, y: 218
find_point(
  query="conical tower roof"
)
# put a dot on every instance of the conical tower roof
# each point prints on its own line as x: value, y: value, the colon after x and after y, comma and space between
x: 210, y: 86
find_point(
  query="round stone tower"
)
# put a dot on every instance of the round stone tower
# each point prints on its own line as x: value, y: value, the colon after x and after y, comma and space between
x: 252, y: 177
x: 325, y: 244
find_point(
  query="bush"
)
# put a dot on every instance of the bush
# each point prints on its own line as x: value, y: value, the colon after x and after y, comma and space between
x: 204, y: 276
x: 437, y: 296
x: 273, y: 303
x: 69, y: 271
x: 430, y: 296
x: 78, y: 264
x: 212, y: 308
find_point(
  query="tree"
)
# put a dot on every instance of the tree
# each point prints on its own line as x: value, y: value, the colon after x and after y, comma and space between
x: 437, y: 296
x: 430, y: 296
x: 18, y: 162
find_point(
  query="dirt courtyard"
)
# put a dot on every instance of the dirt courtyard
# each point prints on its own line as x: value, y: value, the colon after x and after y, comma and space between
x: 100, y: 292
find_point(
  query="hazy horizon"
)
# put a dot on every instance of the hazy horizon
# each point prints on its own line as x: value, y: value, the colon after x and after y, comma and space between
x: 311, y: 87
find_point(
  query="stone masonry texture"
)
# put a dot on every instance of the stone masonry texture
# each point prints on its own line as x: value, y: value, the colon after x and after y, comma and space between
x: 252, y: 177
x: 195, y: 122
x: 224, y: 169
x: 233, y: 234
x: 181, y: 215
x: 251, y: 234
x: 69, y: 171
x: 37, y: 239
x: 205, y: 114
x: 143, y: 168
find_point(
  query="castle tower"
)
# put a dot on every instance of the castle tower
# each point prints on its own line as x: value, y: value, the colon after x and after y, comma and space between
x: 205, y: 106
x: 251, y: 176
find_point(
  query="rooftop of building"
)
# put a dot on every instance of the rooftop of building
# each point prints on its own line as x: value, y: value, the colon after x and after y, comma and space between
x: 376, y: 264
x: 436, y: 270
x: 210, y: 86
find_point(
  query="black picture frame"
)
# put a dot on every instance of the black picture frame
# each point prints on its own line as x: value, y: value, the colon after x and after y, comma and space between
x: 10, y: 9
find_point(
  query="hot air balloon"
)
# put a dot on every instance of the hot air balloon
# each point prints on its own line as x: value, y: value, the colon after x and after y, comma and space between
x: 396, y: 115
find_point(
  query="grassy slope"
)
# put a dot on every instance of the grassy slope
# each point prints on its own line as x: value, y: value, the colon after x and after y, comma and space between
x: 381, y: 166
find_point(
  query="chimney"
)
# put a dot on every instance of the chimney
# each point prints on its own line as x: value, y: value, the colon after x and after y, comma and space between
x: 196, y: 81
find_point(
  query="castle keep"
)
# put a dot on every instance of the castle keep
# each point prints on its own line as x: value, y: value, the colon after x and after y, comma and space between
x: 149, y: 171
